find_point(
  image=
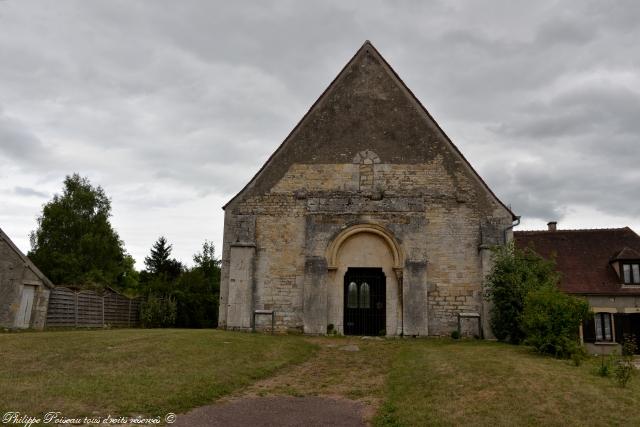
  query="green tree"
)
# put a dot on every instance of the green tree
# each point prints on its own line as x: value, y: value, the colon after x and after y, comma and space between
x: 197, y: 291
x: 159, y: 262
x: 161, y: 271
x: 129, y: 281
x: 515, y: 273
x: 551, y: 321
x: 75, y: 243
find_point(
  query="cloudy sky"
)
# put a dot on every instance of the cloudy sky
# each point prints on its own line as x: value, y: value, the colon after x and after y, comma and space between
x: 171, y: 106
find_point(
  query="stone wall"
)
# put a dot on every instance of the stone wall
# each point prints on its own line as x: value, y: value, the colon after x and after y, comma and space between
x: 367, y: 152
x: 436, y: 222
x: 15, y: 273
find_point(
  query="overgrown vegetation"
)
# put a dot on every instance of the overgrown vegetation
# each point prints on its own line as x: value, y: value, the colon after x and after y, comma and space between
x: 158, y: 312
x: 606, y: 364
x: 514, y: 275
x: 75, y: 245
x: 180, y: 296
x: 528, y: 307
x: 623, y: 370
x: 551, y: 321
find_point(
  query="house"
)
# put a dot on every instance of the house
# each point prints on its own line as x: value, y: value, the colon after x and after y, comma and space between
x: 366, y: 220
x: 602, y: 265
x: 24, y: 290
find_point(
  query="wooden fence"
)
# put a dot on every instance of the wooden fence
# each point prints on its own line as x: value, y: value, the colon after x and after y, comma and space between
x: 88, y: 309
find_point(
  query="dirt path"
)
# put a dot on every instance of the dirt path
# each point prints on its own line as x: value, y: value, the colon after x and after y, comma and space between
x: 343, y: 384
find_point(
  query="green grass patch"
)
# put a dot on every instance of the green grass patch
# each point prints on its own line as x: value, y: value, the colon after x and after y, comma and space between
x: 443, y: 383
x: 135, y: 371
x: 423, y: 382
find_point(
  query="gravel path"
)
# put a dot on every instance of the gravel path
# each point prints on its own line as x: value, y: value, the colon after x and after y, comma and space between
x: 277, y: 411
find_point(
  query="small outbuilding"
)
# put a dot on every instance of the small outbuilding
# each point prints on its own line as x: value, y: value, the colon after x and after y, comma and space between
x: 24, y: 289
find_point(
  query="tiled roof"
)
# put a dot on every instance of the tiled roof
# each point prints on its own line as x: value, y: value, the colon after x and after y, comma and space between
x: 627, y: 254
x: 583, y: 257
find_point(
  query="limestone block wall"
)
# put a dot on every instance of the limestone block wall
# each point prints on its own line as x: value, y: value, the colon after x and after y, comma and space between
x: 437, y: 219
x: 454, y: 271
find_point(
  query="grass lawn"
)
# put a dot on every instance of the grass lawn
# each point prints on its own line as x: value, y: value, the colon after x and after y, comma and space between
x: 408, y: 382
x: 134, y: 371
x: 442, y: 382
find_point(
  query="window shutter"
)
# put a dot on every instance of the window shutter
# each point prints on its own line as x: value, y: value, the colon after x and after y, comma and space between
x: 589, y: 330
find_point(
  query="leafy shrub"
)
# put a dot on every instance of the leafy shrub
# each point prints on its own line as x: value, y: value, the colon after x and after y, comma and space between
x: 158, y: 312
x: 455, y: 334
x: 551, y: 320
x: 606, y: 364
x: 515, y: 273
x: 624, y: 368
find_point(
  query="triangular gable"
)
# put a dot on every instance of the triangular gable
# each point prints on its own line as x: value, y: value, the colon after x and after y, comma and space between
x: 626, y: 254
x: 366, y: 48
x: 26, y: 260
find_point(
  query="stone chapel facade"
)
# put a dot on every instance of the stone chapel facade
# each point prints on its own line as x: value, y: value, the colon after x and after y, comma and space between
x: 366, y: 220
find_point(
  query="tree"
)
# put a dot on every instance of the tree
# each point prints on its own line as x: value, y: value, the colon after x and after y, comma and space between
x: 515, y: 273
x: 207, y: 261
x: 551, y: 321
x: 197, y: 291
x: 159, y: 258
x: 129, y: 281
x: 75, y: 243
x: 162, y: 270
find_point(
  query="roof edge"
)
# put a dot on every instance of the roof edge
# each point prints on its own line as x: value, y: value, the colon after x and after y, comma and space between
x: 26, y: 260
x: 368, y: 45
x: 574, y: 230
x: 297, y: 126
x: 442, y: 132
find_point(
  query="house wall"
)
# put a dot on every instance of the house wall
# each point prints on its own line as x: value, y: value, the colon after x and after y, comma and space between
x: 14, y: 274
x: 616, y: 305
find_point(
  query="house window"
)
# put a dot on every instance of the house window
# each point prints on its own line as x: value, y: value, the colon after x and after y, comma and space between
x: 631, y: 273
x: 603, y: 327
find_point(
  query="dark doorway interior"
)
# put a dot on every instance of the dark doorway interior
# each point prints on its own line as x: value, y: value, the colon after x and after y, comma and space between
x: 365, y: 301
x: 628, y: 325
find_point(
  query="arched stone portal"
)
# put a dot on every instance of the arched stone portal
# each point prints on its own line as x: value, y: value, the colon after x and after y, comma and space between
x: 365, y: 246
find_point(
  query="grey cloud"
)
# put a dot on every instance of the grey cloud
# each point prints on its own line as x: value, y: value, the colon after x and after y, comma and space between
x: 30, y: 192
x: 17, y: 143
x: 565, y: 31
x: 164, y: 103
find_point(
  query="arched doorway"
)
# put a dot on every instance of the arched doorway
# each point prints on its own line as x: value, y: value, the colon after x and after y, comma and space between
x: 364, y: 289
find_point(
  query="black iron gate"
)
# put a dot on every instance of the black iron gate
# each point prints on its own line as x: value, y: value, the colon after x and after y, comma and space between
x: 364, y: 301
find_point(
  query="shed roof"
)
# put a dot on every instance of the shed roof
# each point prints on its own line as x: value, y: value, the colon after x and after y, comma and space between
x: 4, y: 237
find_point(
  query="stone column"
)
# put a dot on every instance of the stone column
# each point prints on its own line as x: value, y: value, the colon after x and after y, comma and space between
x: 415, y: 307
x: 315, y: 295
